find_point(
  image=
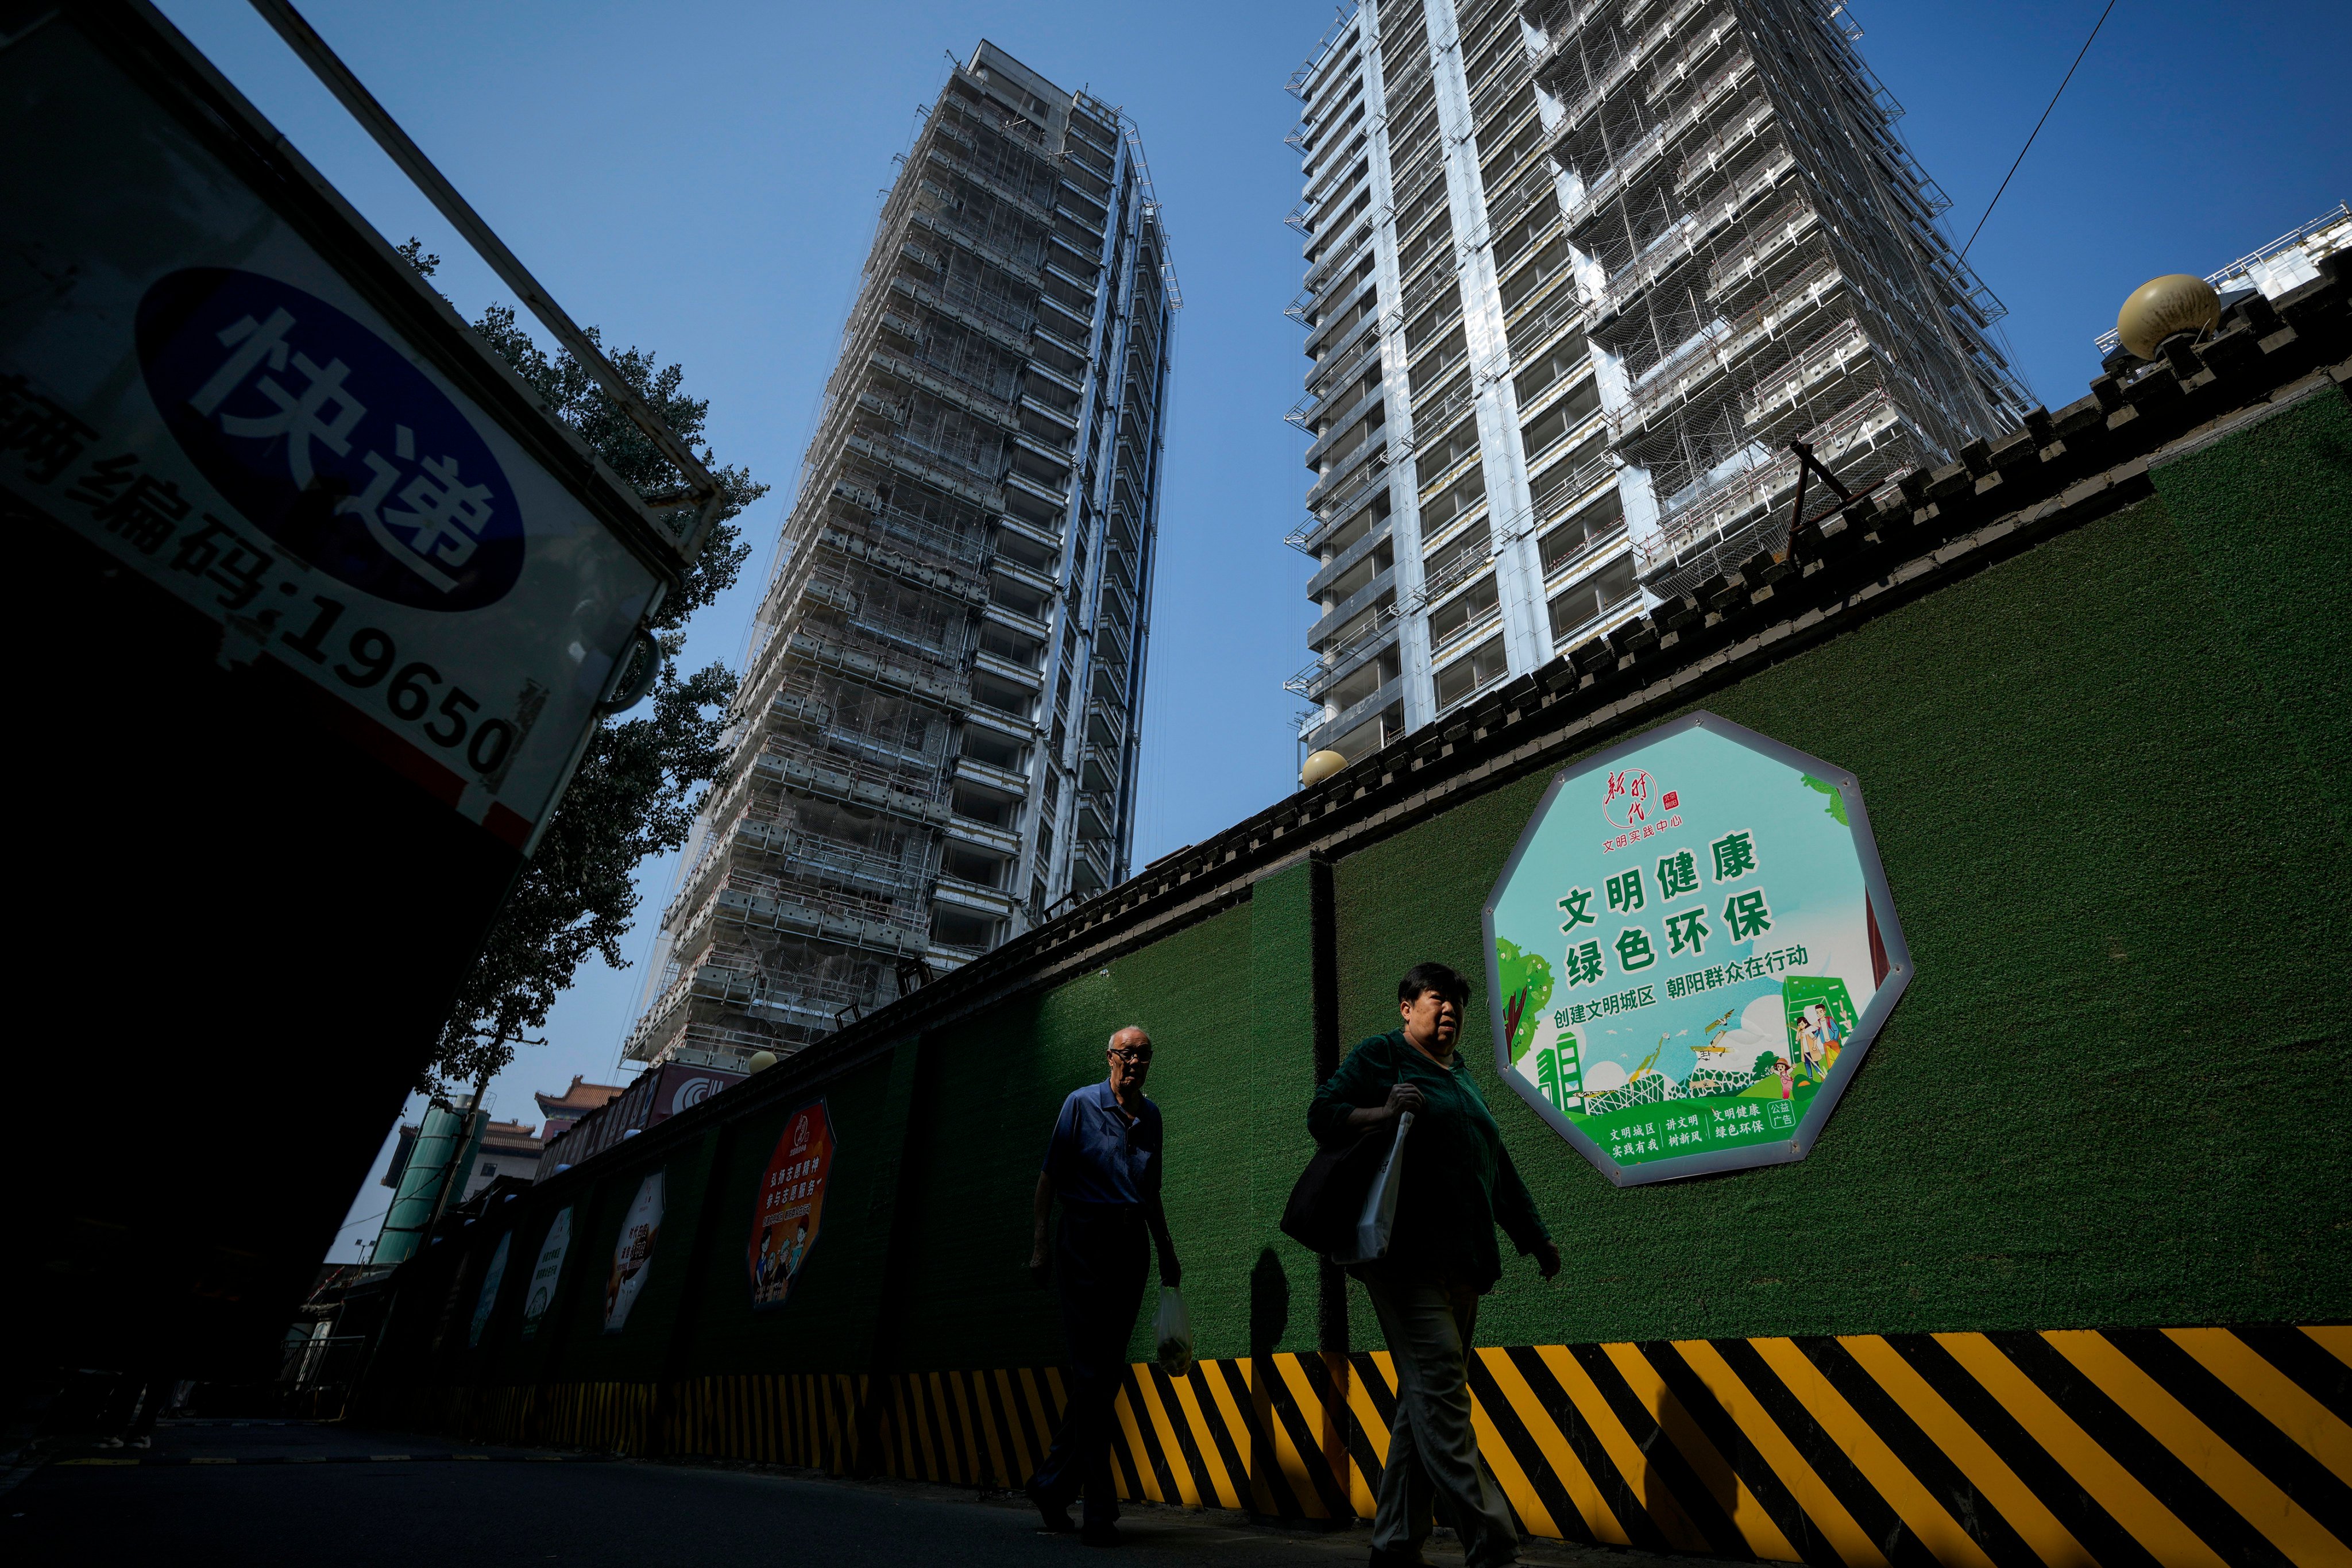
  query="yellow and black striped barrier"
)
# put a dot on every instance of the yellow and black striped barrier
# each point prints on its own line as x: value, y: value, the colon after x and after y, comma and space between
x: 207, y: 1461
x: 2122, y: 1449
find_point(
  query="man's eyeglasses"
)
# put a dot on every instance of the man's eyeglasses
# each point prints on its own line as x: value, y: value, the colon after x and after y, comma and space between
x: 1133, y: 1058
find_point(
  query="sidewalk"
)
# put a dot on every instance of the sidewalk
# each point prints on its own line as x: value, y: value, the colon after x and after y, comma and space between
x: 262, y: 1494
x: 291, y: 1442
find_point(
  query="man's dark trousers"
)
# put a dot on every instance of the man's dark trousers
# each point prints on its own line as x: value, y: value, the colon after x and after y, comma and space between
x: 1100, y: 1258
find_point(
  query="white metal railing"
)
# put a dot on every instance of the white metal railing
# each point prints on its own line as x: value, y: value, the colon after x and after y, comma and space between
x: 1333, y: 661
x: 1521, y: 194
x: 1605, y: 543
x: 1709, y: 155
x: 1716, y: 348
x: 1586, y: 476
x: 1703, y: 518
x: 1652, y: 144
x: 1336, y: 658
x: 712, y: 1036
x: 1600, y: 622
x: 1343, y: 24
x: 1820, y: 359
x: 1558, y: 41
x: 1694, y: 228
x: 1460, y: 568
x: 1339, y: 511
x: 1438, y: 412
x: 1498, y: 79
x: 1625, y: 65
x: 1536, y: 327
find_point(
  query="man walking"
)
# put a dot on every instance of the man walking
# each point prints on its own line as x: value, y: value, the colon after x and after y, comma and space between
x: 1104, y: 1163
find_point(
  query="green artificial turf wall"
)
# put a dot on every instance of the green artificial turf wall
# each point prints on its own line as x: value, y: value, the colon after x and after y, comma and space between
x: 829, y: 1318
x: 2106, y: 778
x: 992, y: 1089
x: 2266, y: 517
x: 2107, y: 1098
x: 578, y: 1347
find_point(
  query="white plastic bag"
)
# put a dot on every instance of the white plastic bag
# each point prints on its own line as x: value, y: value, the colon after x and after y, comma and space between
x: 1173, y: 1335
x: 1378, y: 1217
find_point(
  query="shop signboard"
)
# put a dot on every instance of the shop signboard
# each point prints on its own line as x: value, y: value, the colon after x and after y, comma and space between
x: 633, y: 1255
x: 1690, y: 951
x: 548, y: 1272
x: 228, y: 387
x: 491, y: 1278
x: 791, y: 1205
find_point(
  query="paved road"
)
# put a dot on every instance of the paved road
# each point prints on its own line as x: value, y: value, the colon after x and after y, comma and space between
x: 321, y: 1496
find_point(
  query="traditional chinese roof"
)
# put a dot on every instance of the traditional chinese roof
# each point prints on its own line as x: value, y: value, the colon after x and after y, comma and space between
x: 511, y: 1137
x: 579, y: 1099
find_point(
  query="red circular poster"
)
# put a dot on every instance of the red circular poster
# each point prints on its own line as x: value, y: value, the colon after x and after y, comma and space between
x: 791, y: 1203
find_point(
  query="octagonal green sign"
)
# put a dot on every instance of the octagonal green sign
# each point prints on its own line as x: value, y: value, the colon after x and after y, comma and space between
x: 1690, y: 951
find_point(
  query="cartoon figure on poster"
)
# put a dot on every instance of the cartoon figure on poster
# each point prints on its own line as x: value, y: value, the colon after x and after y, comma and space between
x: 633, y: 1255
x: 790, y: 1208
x: 1690, y: 948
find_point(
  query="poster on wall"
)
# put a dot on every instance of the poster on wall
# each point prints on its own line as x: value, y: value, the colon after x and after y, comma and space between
x: 791, y: 1205
x: 491, y: 1278
x: 547, y: 1271
x: 633, y: 1255
x: 1690, y: 951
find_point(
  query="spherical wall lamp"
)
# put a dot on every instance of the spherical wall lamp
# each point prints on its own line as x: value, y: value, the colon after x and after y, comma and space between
x: 2163, y: 308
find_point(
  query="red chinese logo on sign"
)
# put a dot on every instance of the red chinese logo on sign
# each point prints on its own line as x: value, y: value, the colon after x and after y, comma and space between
x: 791, y: 1205
x: 1629, y: 798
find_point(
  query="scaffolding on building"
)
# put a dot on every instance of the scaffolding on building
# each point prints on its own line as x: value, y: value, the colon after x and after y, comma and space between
x: 1578, y: 272
x: 898, y: 764
x: 1772, y: 267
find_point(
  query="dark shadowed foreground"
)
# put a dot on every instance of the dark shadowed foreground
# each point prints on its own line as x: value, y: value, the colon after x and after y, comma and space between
x: 261, y: 1495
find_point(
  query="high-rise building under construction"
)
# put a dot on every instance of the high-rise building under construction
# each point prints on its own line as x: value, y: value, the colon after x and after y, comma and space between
x: 1579, y: 273
x: 937, y: 731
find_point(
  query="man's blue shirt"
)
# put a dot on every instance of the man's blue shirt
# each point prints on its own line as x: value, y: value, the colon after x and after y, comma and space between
x: 1097, y: 1155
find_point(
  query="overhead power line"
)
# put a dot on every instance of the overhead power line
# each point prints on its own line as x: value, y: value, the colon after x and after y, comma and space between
x: 2021, y: 151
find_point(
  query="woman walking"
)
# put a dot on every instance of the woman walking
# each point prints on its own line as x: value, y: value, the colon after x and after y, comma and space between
x: 1457, y: 1185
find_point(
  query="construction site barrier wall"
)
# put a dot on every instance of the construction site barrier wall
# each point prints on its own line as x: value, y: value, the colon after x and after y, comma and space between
x: 2140, y: 1445
x: 2063, y: 1282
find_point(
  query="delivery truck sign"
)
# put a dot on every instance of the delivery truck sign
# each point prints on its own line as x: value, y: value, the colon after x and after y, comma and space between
x: 329, y: 440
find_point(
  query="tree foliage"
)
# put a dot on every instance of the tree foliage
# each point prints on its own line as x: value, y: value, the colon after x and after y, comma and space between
x: 645, y: 773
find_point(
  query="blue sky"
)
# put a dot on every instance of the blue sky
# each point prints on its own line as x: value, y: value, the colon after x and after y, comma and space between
x: 701, y: 178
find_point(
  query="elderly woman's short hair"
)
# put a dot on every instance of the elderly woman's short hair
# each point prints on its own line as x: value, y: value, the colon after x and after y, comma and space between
x: 1438, y: 977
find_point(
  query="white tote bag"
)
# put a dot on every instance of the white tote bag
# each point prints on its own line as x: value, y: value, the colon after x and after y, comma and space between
x: 1379, y: 1218
x: 1173, y: 1333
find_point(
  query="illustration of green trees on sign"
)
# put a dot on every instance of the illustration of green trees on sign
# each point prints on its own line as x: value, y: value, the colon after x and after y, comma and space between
x: 1526, y: 986
x: 1691, y: 948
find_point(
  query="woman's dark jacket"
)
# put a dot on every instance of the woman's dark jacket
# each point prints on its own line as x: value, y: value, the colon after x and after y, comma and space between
x: 1457, y: 1183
